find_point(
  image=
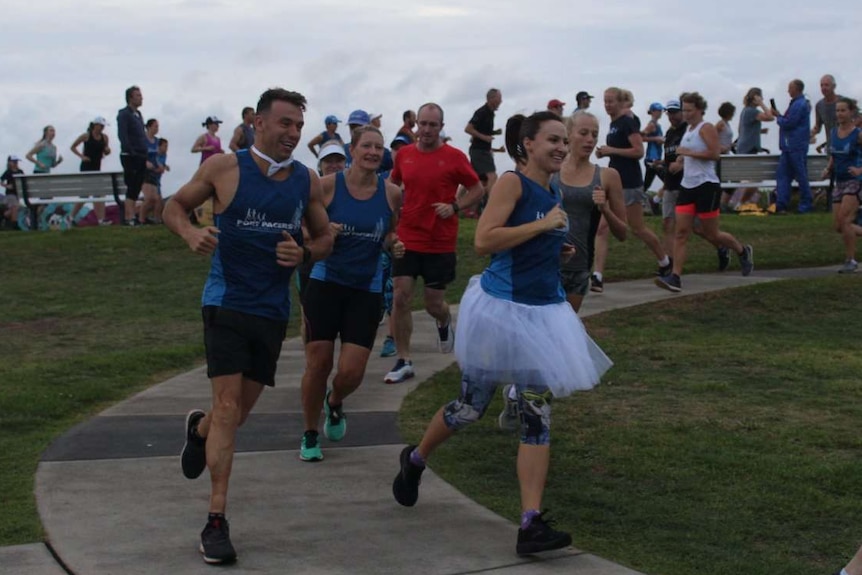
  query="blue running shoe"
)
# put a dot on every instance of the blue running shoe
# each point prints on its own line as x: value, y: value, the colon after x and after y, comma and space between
x: 309, y: 448
x: 388, y: 347
x: 334, y: 422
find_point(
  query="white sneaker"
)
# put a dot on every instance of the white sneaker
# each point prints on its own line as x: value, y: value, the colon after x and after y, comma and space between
x: 446, y: 337
x: 849, y: 267
x: 402, y: 371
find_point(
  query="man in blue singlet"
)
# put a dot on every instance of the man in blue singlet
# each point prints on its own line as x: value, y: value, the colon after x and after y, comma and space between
x: 260, y: 197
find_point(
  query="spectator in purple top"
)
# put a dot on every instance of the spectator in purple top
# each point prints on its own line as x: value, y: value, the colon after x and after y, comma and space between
x: 208, y: 144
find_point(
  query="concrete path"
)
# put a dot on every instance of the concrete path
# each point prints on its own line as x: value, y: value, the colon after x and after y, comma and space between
x: 113, y: 500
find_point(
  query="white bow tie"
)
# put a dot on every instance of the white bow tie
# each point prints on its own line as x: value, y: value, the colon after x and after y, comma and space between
x: 274, y: 166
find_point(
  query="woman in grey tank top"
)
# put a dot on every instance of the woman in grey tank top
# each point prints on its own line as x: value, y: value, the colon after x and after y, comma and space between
x: 589, y: 192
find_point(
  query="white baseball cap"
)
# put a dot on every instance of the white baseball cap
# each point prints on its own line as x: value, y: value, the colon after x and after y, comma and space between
x: 100, y: 120
x: 330, y: 148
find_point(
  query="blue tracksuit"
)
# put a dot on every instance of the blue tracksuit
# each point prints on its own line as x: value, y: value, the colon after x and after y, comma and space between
x: 794, y: 133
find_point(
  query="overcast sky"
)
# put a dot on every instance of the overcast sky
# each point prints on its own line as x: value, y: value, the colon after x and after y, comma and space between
x: 65, y: 62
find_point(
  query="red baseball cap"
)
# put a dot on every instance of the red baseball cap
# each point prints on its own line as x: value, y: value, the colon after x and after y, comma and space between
x: 556, y: 103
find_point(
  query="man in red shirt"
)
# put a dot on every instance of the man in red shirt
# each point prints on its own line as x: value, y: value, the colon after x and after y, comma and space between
x: 430, y: 172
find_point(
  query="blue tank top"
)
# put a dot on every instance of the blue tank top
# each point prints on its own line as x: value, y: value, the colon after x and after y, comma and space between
x: 326, y: 137
x: 153, y: 151
x: 530, y: 272
x: 244, y: 275
x: 47, y: 154
x: 653, y: 149
x: 846, y: 154
x: 355, y: 259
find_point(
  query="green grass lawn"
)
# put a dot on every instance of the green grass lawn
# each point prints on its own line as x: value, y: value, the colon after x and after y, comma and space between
x: 90, y: 316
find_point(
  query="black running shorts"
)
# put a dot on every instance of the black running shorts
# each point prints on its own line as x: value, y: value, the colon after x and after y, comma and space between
x: 702, y: 200
x: 238, y: 342
x: 436, y: 270
x: 333, y: 310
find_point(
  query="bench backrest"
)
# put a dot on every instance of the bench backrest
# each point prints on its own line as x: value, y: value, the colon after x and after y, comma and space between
x: 762, y: 167
x: 57, y: 188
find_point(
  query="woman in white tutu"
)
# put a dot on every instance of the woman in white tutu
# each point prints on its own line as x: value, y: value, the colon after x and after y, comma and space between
x: 515, y: 326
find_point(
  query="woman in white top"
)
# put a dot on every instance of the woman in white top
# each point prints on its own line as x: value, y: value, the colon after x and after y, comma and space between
x: 700, y: 192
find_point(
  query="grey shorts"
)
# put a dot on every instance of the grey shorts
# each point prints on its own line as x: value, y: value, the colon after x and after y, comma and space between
x: 668, y: 203
x: 482, y: 162
x: 634, y: 196
x: 575, y: 282
x: 847, y: 188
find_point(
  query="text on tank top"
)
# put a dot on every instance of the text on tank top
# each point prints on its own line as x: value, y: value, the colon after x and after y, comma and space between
x: 244, y: 275
x: 355, y: 258
x: 529, y: 273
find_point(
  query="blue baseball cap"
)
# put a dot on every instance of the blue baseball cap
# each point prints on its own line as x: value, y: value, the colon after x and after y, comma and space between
x: 656, y: 107
x: 330, y: 119
x: 400, y: 140
x: 672, y: 105
x: 359, y: 118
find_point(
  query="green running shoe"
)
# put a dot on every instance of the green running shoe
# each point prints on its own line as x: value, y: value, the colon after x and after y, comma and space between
x: 309, y: 448
x: 334, y: 423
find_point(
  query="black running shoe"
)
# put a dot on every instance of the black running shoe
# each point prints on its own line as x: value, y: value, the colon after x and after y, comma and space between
x: 669, y: 282
x: 666, y: 270
x: 541, y: 536
x: 194, y: 454
x: 216, y: 547
x: 723, y: 258
x: 405, y: 488
x: 746, y: 260
x: 596, y: 285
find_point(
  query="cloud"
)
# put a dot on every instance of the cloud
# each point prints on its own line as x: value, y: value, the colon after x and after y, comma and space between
x: 193, y: 58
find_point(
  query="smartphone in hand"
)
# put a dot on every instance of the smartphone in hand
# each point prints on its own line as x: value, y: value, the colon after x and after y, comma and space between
x: 772, y: 103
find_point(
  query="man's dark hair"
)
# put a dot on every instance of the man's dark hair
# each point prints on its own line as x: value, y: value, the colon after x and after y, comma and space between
x: 491, y: 93
x: 246, y: 110
x: 280, y: 95
x: 800, y: 85
x: 163, y: 141
x: 129, y: 91
x: 406, y: 115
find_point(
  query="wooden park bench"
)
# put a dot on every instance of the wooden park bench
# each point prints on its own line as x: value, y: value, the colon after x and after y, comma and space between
x: 42, y: 189
x: 758, y: 171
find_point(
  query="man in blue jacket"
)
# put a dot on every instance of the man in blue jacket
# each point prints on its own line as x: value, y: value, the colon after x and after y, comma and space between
x: 794, y: 133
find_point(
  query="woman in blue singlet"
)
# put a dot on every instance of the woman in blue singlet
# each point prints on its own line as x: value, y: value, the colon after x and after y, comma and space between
x: 44, y: 153
x: 151, y: 211
x: 343, y: 297
x: 515, y: 326
x: 328, y: 135
x: 846, y: 163
x: 653, y: 135
x: 589, y: 194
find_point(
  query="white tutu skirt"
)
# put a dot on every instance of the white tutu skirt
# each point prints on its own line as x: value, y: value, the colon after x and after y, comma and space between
x: 499, y: 341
